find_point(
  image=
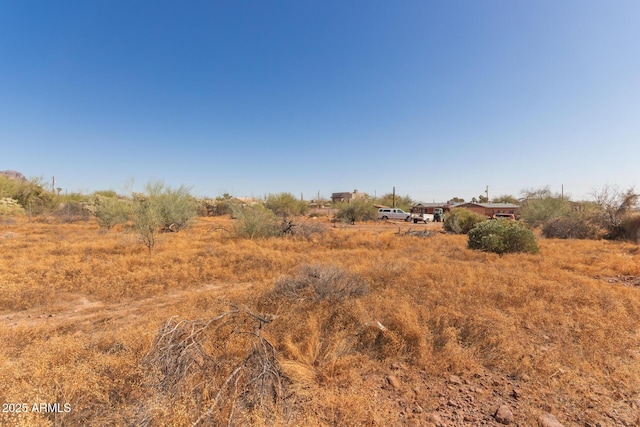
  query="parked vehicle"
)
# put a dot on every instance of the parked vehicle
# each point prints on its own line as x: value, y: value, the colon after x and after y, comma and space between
x: 419, y: 214
x: 501, y: 215
x: 393, y: 213
x: 438, y: 215
x: 421, y: 217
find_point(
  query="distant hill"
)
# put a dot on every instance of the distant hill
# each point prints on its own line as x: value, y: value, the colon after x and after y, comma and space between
x: 13, y: 175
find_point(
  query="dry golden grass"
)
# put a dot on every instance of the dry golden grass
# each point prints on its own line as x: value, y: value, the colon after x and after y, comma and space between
x: 80, y: 311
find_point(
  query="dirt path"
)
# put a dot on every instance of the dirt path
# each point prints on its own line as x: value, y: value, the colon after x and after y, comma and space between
x: 78, y: 309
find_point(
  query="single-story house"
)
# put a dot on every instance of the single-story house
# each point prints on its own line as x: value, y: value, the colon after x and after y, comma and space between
x: 490, y: 209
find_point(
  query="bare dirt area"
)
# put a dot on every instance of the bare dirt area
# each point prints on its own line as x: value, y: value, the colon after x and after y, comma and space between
x: 80, y: 312
x: 365, y: 324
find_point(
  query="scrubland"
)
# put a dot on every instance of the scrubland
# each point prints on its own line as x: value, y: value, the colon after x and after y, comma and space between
x: 356, y: 325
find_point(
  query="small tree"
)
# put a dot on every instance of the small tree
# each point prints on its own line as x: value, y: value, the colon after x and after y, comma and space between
x: 176, y: 207
x: 540, y: 206
x: 161, y: 208
x: 224, y: 204
x: 255, y: 222
x: 461, y: 220
x: 574, y: 226
x: 505, y: 198
x: 356, y: 210
x: 110, y: 211
x: 502, y: 236
x: 402, y: 202
x: 480, y: 199
x: 30, y: 194
x: 285, y: 204
x: 614, y: 205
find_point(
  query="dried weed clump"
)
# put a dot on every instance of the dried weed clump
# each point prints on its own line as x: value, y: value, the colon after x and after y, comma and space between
x: 221, y: 370
x: 320, y: 283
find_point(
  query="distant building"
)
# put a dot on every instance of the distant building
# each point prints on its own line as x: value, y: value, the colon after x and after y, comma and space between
x: 490, y: 209
x: 346, y: 197
x: 427, y: 208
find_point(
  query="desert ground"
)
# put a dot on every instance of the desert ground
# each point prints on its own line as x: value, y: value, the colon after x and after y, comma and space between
x: 345, y: 325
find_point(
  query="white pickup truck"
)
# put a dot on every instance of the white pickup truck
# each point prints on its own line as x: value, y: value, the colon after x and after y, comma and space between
x: 421, y: 217
x: 418, y: 215
x: 393, y: 213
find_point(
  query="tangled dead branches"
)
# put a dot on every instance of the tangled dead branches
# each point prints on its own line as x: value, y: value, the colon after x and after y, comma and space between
x: 222, y: 365
x: 416, y: 233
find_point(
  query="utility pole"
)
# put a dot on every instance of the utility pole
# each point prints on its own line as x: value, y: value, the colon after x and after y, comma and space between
x: 487, y: 193
x: 562, y: 191
x: 53, y: 184
x: 394, y: 197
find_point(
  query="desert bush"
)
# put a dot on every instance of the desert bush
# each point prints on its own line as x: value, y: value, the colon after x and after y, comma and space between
x: 110, y: 211
x: 71, y: 211
x: 630, y: 224
x: 401, y: 202
x: 319, y: 283
x: 356, y: 210
x: 541, y: 206
x: 502, y: 236
x: 176, y: 206
x: 570, y: 227
x: 285, y: 204
x: 614, y: 205
x: 30, y: 194
x: 10, y: 207
x: 307, y: 229
x: 254, y: 222
x: 221, y: 205
x: 462, y: 220
x: 161, y: 208
x: 171, y: 209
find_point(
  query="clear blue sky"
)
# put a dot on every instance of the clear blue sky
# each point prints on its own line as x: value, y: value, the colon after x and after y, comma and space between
x: 439, y: 98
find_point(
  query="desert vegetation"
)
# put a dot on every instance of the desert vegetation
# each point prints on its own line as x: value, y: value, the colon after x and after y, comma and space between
x: 461, y: 221
x: 139, y: 312
x: 353, y: 325
x: 502, y: 236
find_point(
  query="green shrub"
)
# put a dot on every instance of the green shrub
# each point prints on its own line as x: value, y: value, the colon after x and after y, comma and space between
x: 541, y: 206
x: 161, y: 208
x: 356, y: 210
x: 502, y: 236
x: 462, y: 220
x: 253, y: 222
x: 400, y: 202
x: 110, y: 211
x: 285, y: 204
x: 30, y: 194
x: 10, y: 207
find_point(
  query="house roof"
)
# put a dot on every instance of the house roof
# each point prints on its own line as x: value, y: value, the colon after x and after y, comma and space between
x: 432, y: 205
x: 492, y: 205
